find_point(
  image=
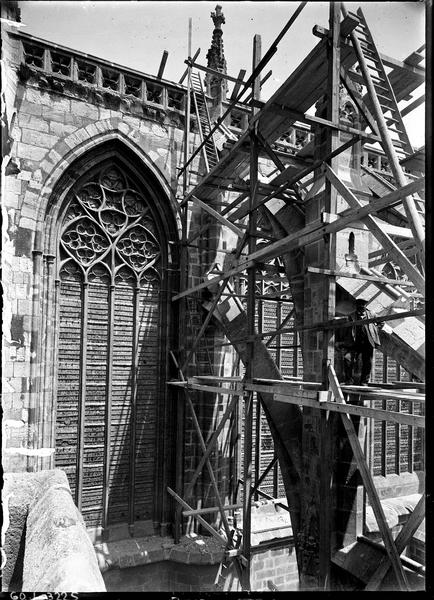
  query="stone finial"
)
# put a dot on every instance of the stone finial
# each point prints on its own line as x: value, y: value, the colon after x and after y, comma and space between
x: 216, y: 86
x: 218, y: 17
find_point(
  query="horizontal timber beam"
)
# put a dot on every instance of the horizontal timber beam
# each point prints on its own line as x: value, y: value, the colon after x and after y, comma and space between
x: 306, y: 118
x: 191, y: 63
x: 210, y: 510
x: 352, y: 409
x: 184, y: 75
x: 338, y: 323
x: 335, y: 273
x: 292, y: 393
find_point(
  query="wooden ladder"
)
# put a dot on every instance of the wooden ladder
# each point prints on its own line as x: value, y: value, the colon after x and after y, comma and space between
x: 383, y: 103
x: 201, y: 108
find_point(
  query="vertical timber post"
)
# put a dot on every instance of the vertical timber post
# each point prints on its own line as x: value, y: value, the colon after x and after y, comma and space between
x: 328, y: 422
x: 317, y: 440
x: 251, y: 289
x: 183, y: 282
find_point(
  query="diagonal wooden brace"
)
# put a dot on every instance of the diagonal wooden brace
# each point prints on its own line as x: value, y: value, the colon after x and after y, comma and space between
x: 368, y: 482
x: 401, y: 542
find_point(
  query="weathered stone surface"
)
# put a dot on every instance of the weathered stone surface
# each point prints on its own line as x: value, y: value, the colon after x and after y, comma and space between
x: 17, y: 492
x: 58, y: 555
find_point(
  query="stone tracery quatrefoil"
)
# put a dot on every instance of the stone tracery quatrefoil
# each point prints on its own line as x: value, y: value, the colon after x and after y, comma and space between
x: 84, y: 241
x: 113, y: 221
x: 137, y: 248
x: 108, y: 212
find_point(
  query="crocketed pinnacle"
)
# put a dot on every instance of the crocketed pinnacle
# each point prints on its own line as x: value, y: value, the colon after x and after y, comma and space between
x: 215, y: 55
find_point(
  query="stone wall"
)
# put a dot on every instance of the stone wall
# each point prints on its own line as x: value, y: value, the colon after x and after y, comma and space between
x: 54, y: 123
x: 50, y: 129
x: 46, y: 545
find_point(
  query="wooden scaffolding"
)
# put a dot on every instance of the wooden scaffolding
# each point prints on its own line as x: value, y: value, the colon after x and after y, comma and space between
x: 346, y: 55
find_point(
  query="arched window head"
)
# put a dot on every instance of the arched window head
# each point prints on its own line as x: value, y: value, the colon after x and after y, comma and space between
x: 109, y: 223
x: 110, y: 354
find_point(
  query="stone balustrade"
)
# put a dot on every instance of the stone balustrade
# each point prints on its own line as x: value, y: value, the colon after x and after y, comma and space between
x: 83, y: 69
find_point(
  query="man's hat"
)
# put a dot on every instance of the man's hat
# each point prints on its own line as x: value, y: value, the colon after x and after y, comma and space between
x: 361, y: 302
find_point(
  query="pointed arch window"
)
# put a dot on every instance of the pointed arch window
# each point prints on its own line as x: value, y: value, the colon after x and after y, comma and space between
x: 110, y: 261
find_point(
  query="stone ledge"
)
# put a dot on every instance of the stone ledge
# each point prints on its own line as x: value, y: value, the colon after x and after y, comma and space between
x: 271, y: 526
x: 396, y: 511
x: 193, y: 549
x: 58, y: 554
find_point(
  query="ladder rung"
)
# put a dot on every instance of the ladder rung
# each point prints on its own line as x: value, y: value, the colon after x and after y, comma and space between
x: 391, y: 108
x: 373, y: 58
x: 385, y: 98
x: 377, y: 85
x: 398, y: 131
x: 368, y: 50
x: 399, y: 142
x: 390, y: 119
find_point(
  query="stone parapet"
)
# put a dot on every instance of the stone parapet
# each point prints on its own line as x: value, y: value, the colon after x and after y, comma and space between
x: 46, y: 544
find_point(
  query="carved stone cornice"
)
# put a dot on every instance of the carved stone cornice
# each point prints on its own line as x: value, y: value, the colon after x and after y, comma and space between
x: 104, y: 98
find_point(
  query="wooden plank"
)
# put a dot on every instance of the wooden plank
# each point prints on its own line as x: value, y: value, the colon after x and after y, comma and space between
x: 408, y: 384
x: 210, y: 510
x: 413, y: 105
x: 376, y: 413
x: 401, y: 542
x: 375, y: 228
x: 335, y: 273
x: 283, y: 389
x: 370, y: 394
x: 215, y: 378
x: 207, y: 526
x: 184, y: 75
x: 206, y: 388
x: 340, y: 322
x: 306, y: 118
x: 395, y: 230
x: 301, y: 399
x: 368, y: 482
x: 162, y: 64
x: 238, y: 84
x: 191, y: 63
x: 349, y: 23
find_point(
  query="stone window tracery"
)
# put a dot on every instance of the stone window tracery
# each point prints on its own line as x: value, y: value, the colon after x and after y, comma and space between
x: 108, y: 389
x: 109, y: 221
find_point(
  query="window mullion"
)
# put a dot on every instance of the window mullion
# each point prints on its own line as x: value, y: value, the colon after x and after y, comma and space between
x: 81, y: 405
x: 108, y: 411
x: 132, y: 451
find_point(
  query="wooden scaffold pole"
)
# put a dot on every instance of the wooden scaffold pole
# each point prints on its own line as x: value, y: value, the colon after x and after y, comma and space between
x: 183, y: 282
